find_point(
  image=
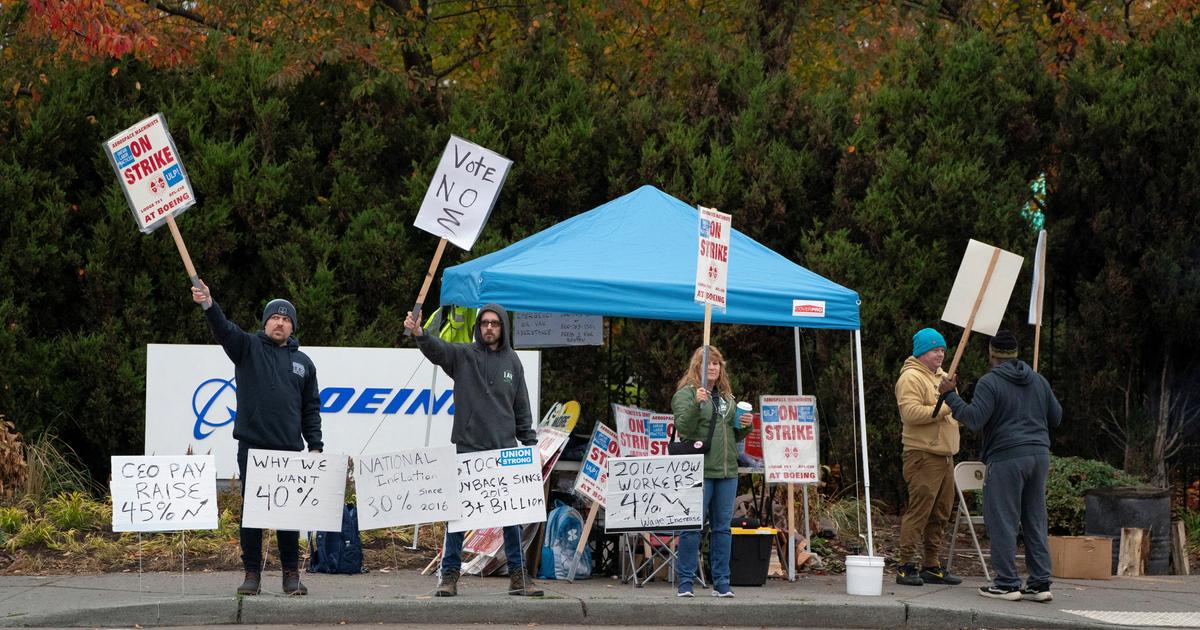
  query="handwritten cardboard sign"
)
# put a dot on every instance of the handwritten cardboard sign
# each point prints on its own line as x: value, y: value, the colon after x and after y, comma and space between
x: 289, y: 490
x: 593, y: 474
x: 789, y: 439
x: 163, y: 493
x: 499, y: 488
x: 463, y: 192
x: 654, y: 493
x: 712, y: 260
x: 548, y: 330
x: 642, y: 432
x: 150, y: 171
x: 418, y: 485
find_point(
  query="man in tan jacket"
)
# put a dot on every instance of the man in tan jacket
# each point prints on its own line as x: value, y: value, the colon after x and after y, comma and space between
x: 929, y: 446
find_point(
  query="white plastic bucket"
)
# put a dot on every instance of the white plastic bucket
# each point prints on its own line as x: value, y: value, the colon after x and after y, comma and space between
x: 864, y: 575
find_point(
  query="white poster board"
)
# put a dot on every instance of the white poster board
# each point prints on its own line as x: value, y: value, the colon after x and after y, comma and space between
x: 150, y: 171
x: 642, y: 432
x: 163, y: 494
x: 294, y: 491
x: 970, y: 278
x: 712, y: 260
x: 463, y: 192
x: 407, y: 487
x: 373, y: 400
x: 593, y: 474
x: 549, y: 330
x: 654, y: 493
x: 1039, y: 286
x: 499, y: 488
x: 789, y: 439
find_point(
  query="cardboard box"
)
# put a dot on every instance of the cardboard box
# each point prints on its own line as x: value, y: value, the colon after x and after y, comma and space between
x: 1083, y: 557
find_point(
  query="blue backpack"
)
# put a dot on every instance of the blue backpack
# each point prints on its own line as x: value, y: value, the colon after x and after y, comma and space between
x: 338, y: 552
x: 564, y: 526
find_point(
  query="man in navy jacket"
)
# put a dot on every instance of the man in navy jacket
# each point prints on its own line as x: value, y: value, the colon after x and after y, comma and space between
x: 278, y: 408
x: 1014, y: 408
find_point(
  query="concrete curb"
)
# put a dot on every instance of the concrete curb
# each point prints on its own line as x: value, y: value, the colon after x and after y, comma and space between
x: 568, y: 611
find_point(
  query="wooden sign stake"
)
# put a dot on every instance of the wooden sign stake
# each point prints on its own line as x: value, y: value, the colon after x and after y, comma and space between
x: 583, y: 539
x: 962, y: 344
x: 433, y: 265
x: 183, y: 252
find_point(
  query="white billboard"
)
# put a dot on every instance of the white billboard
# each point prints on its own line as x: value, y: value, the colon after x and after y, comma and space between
x: 373, y: 400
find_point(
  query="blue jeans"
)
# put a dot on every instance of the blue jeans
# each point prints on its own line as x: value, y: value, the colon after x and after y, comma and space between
x: 452, y: 551
x: 719, y: 495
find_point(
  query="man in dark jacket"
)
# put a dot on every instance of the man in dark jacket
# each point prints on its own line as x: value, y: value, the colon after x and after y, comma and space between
x: 278, y: 408
x: 1013, y: 408
x: 491, y: 411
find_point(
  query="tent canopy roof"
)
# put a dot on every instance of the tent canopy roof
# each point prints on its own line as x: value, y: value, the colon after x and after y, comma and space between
x: 635, y: 256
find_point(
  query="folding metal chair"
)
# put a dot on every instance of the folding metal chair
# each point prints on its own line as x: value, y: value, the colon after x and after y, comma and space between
x: 660, y: 548
x: 968, y: 477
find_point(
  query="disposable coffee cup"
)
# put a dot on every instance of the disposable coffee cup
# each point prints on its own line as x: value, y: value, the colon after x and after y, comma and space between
x: 742, y: 407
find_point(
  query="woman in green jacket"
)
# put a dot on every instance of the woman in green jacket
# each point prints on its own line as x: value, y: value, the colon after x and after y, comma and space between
x: 693, y: 409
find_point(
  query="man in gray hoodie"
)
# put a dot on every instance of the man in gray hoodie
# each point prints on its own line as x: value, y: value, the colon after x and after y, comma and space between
x: 491, y: 411
x: 1014, y: 408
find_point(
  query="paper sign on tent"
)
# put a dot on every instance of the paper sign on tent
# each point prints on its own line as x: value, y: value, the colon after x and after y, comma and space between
x: 463, y: 192
x: 970, y: 278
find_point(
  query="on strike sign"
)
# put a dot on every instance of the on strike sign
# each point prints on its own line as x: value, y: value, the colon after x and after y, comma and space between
x: 152, y: 177
x: 593, y: 475
x: 463, y: 191
x: 712, y: 263
x: 789, y: 438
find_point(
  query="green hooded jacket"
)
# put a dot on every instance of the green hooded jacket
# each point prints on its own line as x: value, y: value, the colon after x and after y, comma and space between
x: 692, y: 421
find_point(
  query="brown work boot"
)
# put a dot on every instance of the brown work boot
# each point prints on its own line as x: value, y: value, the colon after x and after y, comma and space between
x: 251, y: 585
x: 519, y: 583
x: 292, y: 584
x: 448, y: 585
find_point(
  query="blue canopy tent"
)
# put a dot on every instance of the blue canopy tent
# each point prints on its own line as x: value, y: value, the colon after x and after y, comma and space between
x: 635, y: 256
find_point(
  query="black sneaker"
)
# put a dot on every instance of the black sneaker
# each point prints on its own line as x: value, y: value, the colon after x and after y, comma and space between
x: 938, y: 575
x: 1011, y: 593
x: 1037, y: 593
x: 908, y: 575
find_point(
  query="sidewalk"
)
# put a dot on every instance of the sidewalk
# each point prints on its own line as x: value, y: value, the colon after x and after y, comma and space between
x: 169, y: 599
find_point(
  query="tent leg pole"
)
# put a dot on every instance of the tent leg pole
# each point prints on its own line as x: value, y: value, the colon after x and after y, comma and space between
x: 862, y: 420
x: 804, y: 486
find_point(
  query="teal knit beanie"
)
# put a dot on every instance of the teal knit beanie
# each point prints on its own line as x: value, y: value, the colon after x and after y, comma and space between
x: 925, y: 340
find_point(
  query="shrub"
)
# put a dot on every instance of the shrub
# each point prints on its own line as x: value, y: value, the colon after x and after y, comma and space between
x: 35, y: 532
x: 11, y: 519
x: 75, y: 510
x: 1069, y: 479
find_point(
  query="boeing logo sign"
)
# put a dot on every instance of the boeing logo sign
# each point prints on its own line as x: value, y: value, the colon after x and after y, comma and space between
x: 373, y: 400
x: 209, y: 391
x: 216, y: 396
